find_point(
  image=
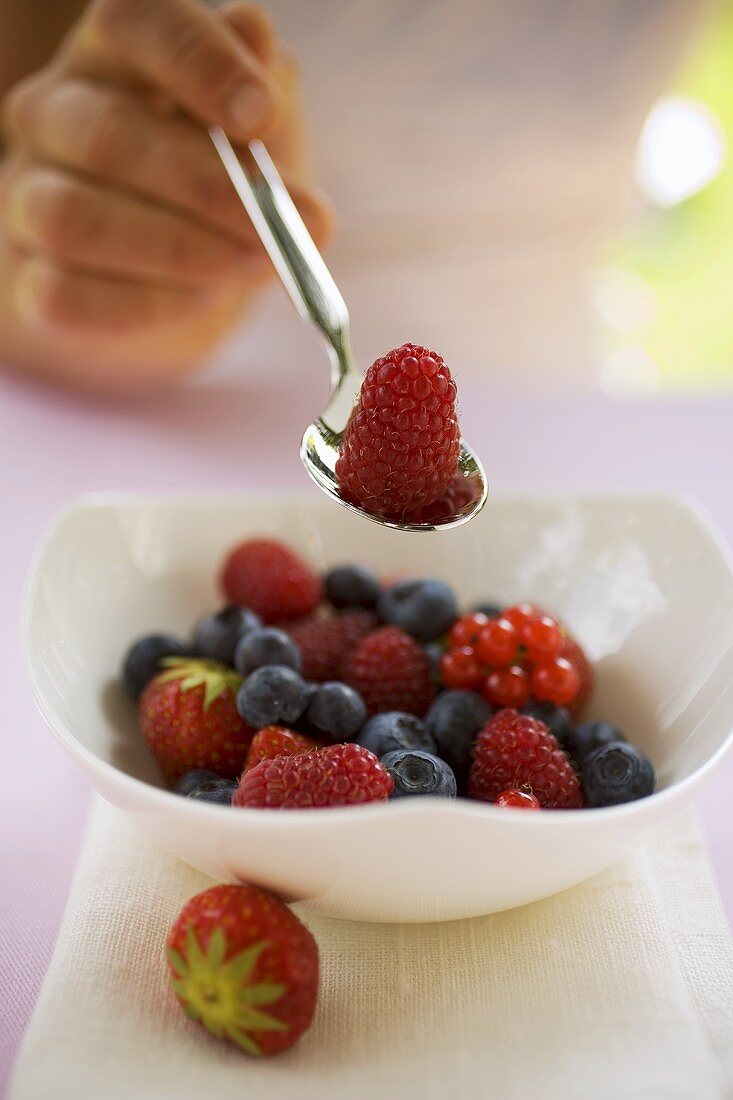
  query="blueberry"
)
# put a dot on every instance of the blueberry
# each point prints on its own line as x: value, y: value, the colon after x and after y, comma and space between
x: 490, y: 610
x: 384, y: 733
x: 557, y: 719
x: 217, y: 635
x: 453, y: 721
x: 265, y: 646
x: 419, y: 773
x: 589, y: 737
x: 616, y: 772
x: 352, y: 586
x: 336, y: 710
x: 142, y: 661
x: 272, y: 695
x: 423, y: 608
x: 215, y: 790
x: 192, y: 779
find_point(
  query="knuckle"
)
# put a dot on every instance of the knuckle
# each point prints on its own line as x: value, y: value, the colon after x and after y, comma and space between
x: 109, y: 17
x: 65, y: 219
x: 52, y: 295
x: 108, y: 146
x: 20, y: 104
x: 190, y: 52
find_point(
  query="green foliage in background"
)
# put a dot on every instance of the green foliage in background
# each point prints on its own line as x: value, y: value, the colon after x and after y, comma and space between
x: 685, y: 253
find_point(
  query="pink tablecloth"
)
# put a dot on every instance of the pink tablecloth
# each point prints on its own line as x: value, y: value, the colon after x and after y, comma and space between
x: 219, y: 435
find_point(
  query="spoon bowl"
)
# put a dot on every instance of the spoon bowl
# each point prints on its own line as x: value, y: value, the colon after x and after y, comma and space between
x: 316, y: 297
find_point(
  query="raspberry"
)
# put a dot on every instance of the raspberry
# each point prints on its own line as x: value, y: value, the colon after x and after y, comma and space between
x: 325, y: 643
x: 572, y: 652
x: 269, y: 579
x: 514, y: 751
x: 391, y: 672
x: 400, y: 449
x: 278, y: 741
x: 463, y: 490
x: 341, y: 775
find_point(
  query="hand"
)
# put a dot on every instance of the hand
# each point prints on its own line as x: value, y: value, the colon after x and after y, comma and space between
x: 125, y: 253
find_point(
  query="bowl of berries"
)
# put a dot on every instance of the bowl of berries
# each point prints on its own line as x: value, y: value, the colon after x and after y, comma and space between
x: 379, y: 724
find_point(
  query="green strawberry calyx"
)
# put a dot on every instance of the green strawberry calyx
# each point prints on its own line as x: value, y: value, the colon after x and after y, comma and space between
x: 220, y: 994
x: 192, y: 673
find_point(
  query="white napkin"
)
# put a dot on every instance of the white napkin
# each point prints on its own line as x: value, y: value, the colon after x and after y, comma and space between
x: 619, y: 989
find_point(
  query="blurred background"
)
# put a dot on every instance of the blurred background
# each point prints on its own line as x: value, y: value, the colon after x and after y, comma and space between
x: 664, y: 292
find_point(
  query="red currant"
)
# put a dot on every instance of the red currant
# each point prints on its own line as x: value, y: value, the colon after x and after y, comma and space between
x: 466, y: 630
x: 555, y: 681
x: 506, y: 687
x: 542, y: 637
x: 498, y: 643
x: 519, y: 799
x: 520, y: 615
x: 460, y: 668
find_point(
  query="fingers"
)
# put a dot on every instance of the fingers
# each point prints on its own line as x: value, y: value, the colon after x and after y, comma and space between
x: 114, y: 136
x: 54, y: 298
x: 183, y: 49
x: 255, y: 27
x: 90, y: 226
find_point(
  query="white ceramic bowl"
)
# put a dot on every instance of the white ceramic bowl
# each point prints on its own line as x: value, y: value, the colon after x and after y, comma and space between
x: 642, y: 581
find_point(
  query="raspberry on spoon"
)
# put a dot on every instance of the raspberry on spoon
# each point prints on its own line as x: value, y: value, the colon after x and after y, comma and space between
x: 400, y: 448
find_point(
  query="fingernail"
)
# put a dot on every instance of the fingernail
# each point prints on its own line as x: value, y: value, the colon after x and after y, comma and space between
x: 248, y: 106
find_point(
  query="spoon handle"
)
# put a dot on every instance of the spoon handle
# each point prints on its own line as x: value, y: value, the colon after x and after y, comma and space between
x: 287, y: 241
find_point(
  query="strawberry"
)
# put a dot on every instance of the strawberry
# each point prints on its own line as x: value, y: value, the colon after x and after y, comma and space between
x: 340, y: 775
x: 270, y: 579
x: 278, y: 741
x: 244, y: 967
x: 189, y: 719
x: 325, y: 642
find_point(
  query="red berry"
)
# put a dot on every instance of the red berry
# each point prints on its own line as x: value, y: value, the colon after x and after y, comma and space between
x: 189, y: 719
x: 460, y: 668
x: 506, y: 687
x: 391, y: 672
x: 514, y: 751
x: 555, y: 681
x: 465, y: 631
x: 278, y: 741
x: 244, y: 967
x: 326, y: 642
x: 518, y: 799
x: 498, y: 643
x: 269, y: 579
x: 520, y: 615
x: 572, y: 652
x: 542, y: 638
x: 400, y: 449
x: 340, y: 775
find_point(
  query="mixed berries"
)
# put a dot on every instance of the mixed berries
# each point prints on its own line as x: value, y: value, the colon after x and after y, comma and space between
x: 305, y: 692
x: 343, y: 688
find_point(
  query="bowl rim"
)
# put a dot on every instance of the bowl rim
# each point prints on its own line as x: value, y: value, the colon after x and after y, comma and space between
x: 466, y: 808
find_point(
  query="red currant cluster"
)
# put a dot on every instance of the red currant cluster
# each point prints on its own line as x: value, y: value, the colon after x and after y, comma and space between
x: 511, y: 658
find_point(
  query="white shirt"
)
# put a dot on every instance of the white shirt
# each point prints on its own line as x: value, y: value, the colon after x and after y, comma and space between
x: 479, y: 156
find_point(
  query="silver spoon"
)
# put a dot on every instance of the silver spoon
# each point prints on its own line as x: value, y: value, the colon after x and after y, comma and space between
x: 316, y: 297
